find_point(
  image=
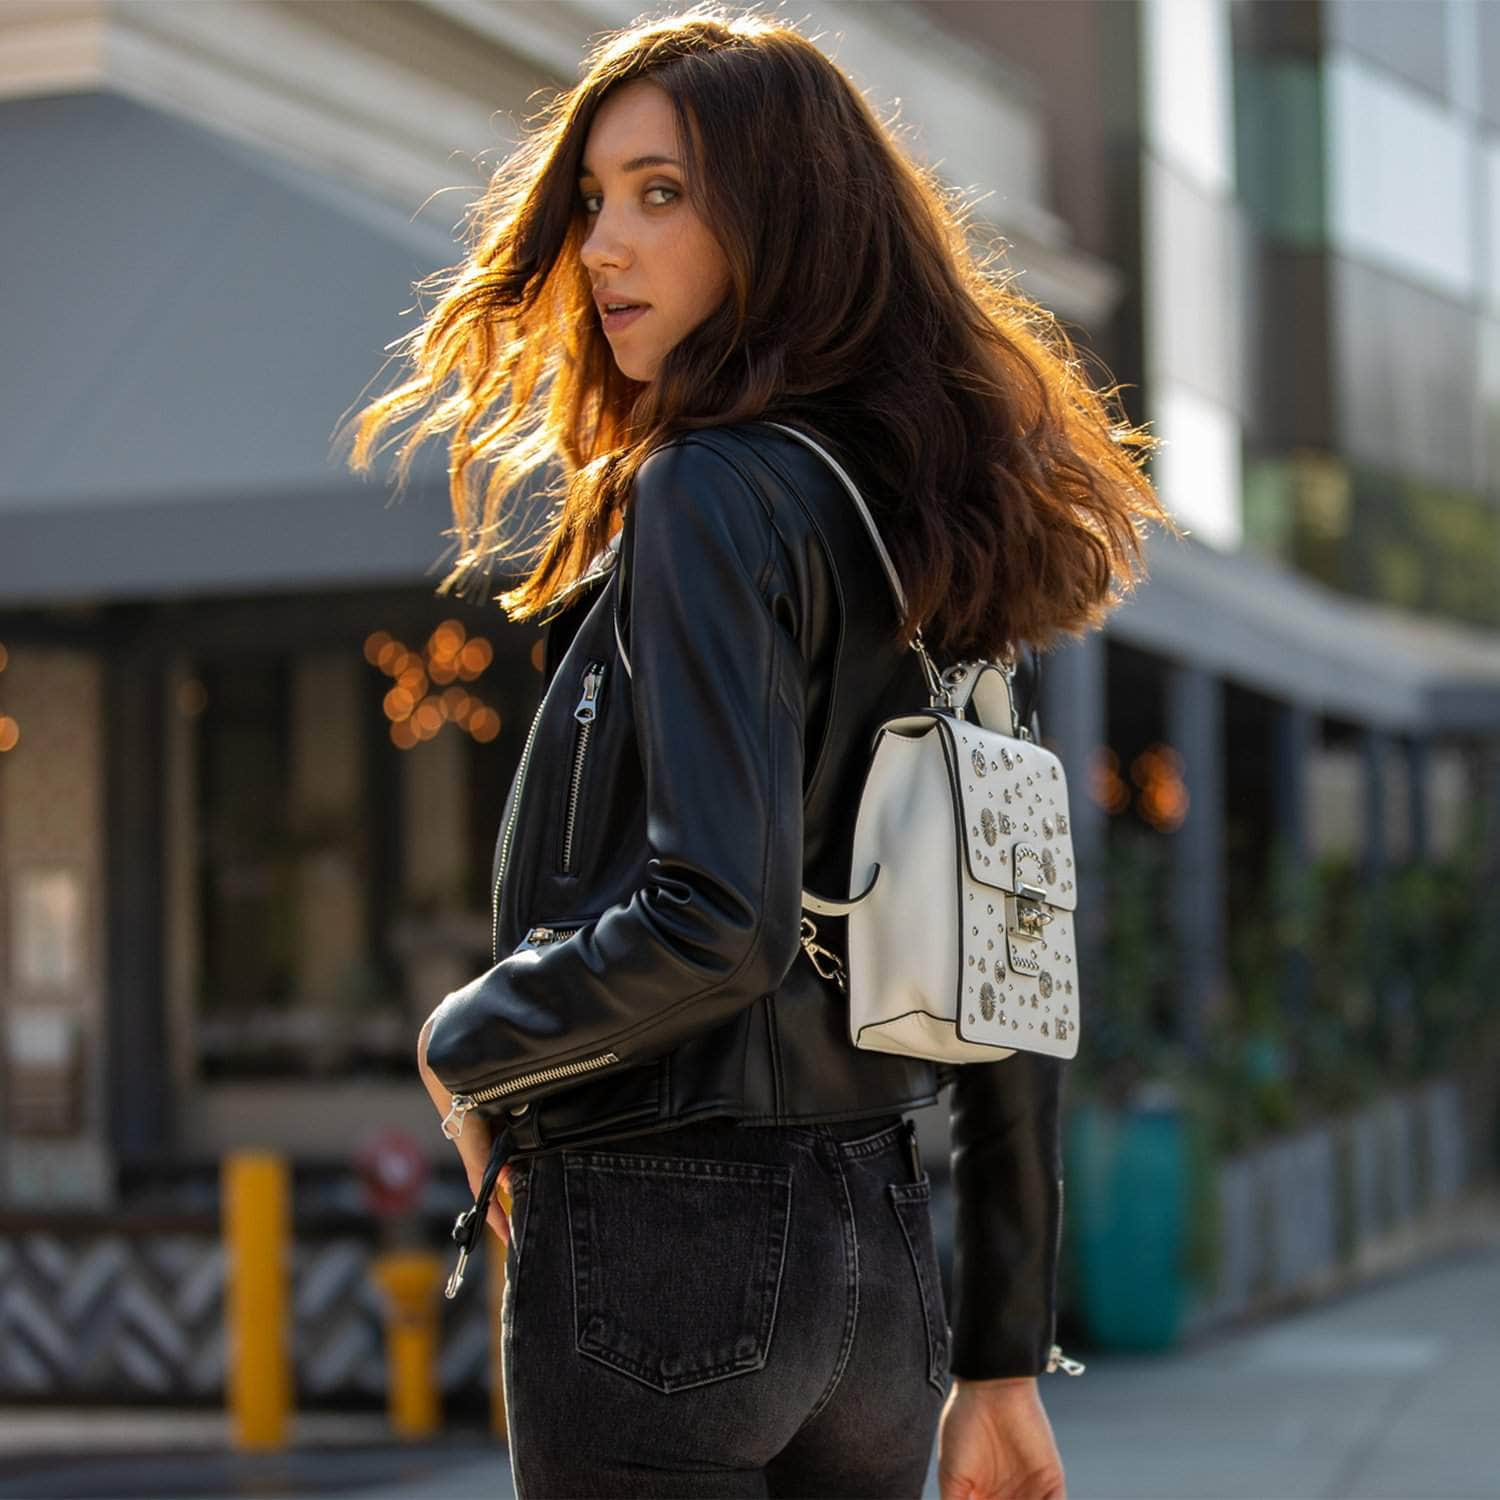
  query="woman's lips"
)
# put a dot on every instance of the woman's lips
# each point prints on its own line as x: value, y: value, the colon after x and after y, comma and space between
x: 615, y: 321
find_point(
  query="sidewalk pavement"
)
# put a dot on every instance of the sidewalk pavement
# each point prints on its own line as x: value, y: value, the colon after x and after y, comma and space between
x: 1391, y: 1392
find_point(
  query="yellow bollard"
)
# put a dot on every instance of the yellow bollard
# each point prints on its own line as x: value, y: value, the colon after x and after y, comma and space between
x: 410, y: 1279
x: 256, y: 1222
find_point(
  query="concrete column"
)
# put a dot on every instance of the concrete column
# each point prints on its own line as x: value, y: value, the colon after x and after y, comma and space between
x: 1195, y: 728
x: 1373, y: 746
x: 1488, y: 792
x: 1375, y: 755
x: 1294, y: 740
x: 1418, y: 766
x: 139, y: 1047
x: 1072, y: 718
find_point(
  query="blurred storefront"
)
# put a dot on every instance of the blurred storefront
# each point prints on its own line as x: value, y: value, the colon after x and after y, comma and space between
x: 252, y: 766
x: 253, y: 763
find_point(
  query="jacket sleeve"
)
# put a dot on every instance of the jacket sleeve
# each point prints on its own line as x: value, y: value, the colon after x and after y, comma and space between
x: 718, y: 685
x: 1006, y: 1158
x: 1007, y: 1193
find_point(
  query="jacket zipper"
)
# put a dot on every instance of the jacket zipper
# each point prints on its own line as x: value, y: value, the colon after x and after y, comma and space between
x: 1056, y: 1359
x: 510, y: 824
x: 453, y: 1123
x: 539, y: 937
x: 586, y: 712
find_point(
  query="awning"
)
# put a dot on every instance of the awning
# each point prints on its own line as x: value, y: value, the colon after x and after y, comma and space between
x: 186, y: 323
x: 1279, y: 632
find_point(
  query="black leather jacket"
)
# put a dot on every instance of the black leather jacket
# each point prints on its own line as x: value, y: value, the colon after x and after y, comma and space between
x: 669, y: 807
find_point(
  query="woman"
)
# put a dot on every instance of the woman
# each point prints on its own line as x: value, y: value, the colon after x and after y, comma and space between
x: 722, y: 1277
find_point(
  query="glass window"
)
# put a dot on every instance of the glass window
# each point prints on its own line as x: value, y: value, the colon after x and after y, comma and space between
x: 1189, y: 106
x: 1279, y: 147
x: 1197, y: 471
x: 1401, y: 177
x: 332, y: 836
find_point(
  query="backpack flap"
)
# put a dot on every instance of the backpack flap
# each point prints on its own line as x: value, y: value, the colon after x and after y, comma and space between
x: 905, y: 969
x: 1018, y: 890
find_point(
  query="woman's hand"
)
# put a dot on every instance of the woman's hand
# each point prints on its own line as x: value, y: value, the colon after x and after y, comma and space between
x: 995, y: 1443
x: 473, y: 1143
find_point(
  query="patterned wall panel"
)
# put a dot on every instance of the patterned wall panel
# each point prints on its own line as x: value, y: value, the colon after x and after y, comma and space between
x: 141, y: 1317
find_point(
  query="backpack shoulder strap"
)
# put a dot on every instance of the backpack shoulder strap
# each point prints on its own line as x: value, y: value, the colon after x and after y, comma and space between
x: 891, y: 574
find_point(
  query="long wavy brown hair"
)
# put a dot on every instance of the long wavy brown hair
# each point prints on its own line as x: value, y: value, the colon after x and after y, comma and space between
x: 1009, y: 489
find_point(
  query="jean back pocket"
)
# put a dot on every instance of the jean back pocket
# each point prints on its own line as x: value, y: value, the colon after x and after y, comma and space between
x: 913, y: 1204
x: 677, y: 1263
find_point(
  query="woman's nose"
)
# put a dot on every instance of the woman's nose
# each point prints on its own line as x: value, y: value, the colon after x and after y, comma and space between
x: 603, y: 248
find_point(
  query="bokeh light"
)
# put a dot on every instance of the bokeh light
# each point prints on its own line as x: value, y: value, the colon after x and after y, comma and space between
x: 192, y: 698
x: 415, y: 707
x: 1106, y: 786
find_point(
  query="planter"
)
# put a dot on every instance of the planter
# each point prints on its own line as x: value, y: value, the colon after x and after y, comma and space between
x: 1302, y: 1215
x: 1127, y: 1175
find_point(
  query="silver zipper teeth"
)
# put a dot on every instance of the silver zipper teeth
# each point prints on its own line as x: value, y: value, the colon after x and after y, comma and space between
x: 462, y: 1103
x: 1056, y: 1258
x: 583, y: 745
x: 515, y: 808
x: 545, y: 1075
x: 539, y: 937
x: 588, y: 702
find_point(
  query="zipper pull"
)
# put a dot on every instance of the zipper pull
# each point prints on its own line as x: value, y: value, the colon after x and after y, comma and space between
x: 585, y: 711
x: 469, y: 1225
x: 456, y: 1278
x: 453, y: 1121
x: 1057, y: 1360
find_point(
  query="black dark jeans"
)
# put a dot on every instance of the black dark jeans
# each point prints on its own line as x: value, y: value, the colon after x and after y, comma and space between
x: 721, y: 1311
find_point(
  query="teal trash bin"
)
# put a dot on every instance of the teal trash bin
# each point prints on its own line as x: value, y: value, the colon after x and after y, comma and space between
x: 1127, y: 1195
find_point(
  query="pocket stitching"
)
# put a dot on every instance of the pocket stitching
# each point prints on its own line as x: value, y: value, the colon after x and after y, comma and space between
x: 903, y: 1193
x: 775, y: 1177
x: 520, y: 1210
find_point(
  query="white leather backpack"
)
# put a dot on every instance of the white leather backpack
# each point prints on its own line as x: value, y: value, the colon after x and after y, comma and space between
x: 960, y: 941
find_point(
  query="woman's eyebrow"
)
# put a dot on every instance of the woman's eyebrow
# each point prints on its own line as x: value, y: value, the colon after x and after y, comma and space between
x: 635, y: 164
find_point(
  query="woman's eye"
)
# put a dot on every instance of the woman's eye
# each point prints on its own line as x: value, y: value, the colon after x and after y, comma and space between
x: 590, y: 206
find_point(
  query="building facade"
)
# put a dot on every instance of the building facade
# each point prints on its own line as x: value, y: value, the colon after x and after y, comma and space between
x: 237, y: 868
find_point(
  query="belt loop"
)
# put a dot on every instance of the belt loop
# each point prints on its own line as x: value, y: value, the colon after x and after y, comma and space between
x: 916, y: 1154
